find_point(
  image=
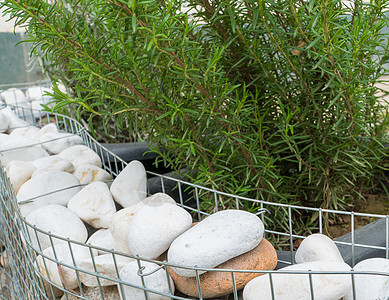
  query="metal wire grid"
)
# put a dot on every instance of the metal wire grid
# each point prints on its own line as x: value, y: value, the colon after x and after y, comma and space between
x: 29, y: 281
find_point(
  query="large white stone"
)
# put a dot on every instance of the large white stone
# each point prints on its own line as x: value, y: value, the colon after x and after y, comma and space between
x: 317, y: 247
x: 48, y: 128
x: 13, y: 96
x: 129, y: 187
x: 57, y: 220
x: 371, y: 286
x: 20, y: 149
x: 53, y: 187
x: 52, y: 163
x: 216, y: 239
x: 155, y: 226
x: 157, y: 281
x: 80, y: 154
x: 102, y: 238
x: 13, y: 120
x: 19, y: 172
x: 106, y: 265
x: 94, y: 205
x: 63, y: 253
x: 56, y: 142
x: 296, y: 286
x: 5, y: 137
x: 121, y: 220
x: 87, y: 173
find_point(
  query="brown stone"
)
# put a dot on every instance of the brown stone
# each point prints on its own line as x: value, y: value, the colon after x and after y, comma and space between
x: 216, y: 284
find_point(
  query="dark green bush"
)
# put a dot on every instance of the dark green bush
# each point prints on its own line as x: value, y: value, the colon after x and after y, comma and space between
x: 274, y: 100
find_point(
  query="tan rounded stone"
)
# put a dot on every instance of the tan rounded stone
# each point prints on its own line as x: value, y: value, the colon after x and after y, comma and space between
x: 216, y: 284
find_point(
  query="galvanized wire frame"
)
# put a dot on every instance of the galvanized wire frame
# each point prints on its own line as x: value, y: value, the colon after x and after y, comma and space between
x: 26, y: 280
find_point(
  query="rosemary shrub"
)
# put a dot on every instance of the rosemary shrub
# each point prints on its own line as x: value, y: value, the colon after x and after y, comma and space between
x: 275, y: 100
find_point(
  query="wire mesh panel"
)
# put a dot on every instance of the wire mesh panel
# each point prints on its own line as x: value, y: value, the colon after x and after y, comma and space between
x: 31, y: 270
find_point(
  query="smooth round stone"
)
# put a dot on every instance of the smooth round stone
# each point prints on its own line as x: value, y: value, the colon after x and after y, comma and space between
x: 216, y: 239
x: 63, y: 253
x: 104, y: 292
x: 217, y: 284
x: 56, y: 142
x: 296, y: 286
x: 13, y: 120
x: 20, y: 149
x: 52, y: 187
x: 155, y: 226
x: 317, y: 247
x: 80, y: 154
x: 13, y: 96
x: 102, y: 238
x: 370, y: 286
x: 105, y: 266
x: 129, y: 187
x: 121, y: 220
x: 57, y: 220
x: 52, y: 163
x: 49, y: 128
x: 19, y: 172
x: 94, y: 205
x: 87, y: 173
x: 156, y: 281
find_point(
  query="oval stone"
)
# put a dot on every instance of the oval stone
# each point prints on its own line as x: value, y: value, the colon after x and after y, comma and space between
x: 19, y: 172
x: 94, y: 205
x: 53, y: 187
x: 87, y: 173
x: 370, y: 286
x: 216, y: 284
x: 80, y: 154
x: 102, y: 238
x: 216, y: 239
x: 156, y: 281
x: 317, y: 247
x: 129, y: 187
x: 52, y: 163
x: 155, y: 226
x: 57, y: 220
x: 297, y: 286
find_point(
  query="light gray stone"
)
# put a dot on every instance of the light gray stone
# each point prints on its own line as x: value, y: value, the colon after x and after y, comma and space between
x: 317, y: 247
x: 94, y: 205
x: 58, y: 220
x: 129, y: 187
x: 106, y: 265
x: 102, y: 238
x: 56, y: 142
x: 155, y: 226
x: 26, y: 132
x: 157, y: 282
x: 80, y: 154
x: 52, y: 163
x: 105, y: 292
x: 63, y: 253
x: 296, y: 286
x: 19, y: 172
x: 52, y: 187
x: 216, y: 239
x: 369, y: 287
x: 87, y: 173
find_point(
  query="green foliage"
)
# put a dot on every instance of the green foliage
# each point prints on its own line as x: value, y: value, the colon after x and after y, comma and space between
x: 274, y: 100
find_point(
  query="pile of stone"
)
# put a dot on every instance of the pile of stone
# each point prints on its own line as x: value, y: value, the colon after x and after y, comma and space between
x: 63, y: 189
x: 31, y: 99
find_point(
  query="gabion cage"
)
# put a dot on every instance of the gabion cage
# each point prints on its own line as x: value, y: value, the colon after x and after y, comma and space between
x: 21, y: 278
